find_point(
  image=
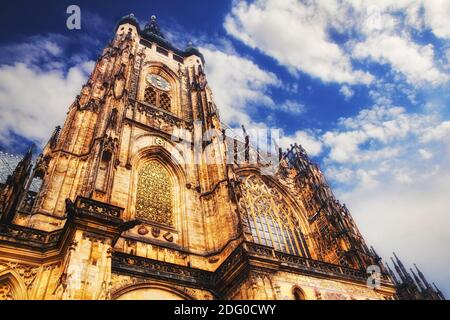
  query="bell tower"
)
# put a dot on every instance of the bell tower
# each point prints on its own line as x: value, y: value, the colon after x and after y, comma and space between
x: 142, y: 100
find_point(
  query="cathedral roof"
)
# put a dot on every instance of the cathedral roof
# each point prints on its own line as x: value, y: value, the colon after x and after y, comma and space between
x: 152, y: 32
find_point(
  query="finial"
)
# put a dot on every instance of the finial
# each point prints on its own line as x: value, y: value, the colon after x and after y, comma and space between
x: 190, y: 44
x: 31, y: 149
x: 417, y: 280
x: 153, y: 28
x: 422, y: 276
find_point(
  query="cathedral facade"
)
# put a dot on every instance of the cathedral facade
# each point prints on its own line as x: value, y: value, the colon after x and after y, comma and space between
x: 127, y: 202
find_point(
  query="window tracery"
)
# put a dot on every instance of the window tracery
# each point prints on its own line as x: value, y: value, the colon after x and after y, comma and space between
x: 150, y: 96
x: 154, y: 200
x: 157, y: 92
x: 164, y: 101
x: 272, y: 222
x: 6, y: 291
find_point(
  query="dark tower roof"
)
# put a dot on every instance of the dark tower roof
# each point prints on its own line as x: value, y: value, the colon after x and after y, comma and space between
x: 152, y: 32
x: 131, y: 19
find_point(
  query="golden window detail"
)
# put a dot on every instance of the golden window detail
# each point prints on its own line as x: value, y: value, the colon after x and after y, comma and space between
x: 154, y: 200
x: 272, y: 222
x: 150, y: 96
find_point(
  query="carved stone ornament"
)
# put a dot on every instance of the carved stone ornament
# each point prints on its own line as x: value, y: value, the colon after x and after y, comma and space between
x: 156, y: 232
x: 142, y: 230
x: 168, y: 236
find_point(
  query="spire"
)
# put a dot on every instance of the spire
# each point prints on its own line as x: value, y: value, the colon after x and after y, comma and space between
x: 403, y: 278
x: 417, y: 280
x: 153, y: 27
x: 421, y: 275
x: 392, y: 274
x: 439, y: 292
x: 55, y: 136
x: 247, y: 145
x: 402, y: 267
x: 14, y: 186
x: 24, y: 164
x: 375, y: 254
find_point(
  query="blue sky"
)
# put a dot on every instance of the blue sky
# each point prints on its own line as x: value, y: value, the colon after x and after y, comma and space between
x: 363, y: 85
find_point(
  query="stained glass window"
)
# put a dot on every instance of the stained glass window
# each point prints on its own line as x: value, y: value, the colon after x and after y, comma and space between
x: 154, y: 200
x: 272, y: 222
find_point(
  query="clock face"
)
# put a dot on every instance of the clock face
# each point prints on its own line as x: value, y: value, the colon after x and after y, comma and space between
x: 158, y: 82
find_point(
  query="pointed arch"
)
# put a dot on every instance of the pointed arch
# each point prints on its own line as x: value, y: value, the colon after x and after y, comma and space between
x: 298, y: 293
x: 155, y: 193
x: 165, y: 159
x: 12, y: 286
x: 169, y: 101
x: 273, y: 220
x: 150, y: 291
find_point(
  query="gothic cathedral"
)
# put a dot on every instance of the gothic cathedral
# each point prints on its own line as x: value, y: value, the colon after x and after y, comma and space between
x: 124, y: 203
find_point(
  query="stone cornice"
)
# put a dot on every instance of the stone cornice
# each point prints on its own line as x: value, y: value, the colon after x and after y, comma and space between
x: 247, y: 256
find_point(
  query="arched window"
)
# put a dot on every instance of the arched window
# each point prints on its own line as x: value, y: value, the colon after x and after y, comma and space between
x: 157, y: 98
x: 272, y: 222
x: 298, y: 294
x: 150, y: 96
x: 154, y: 199
x: 158, y: 91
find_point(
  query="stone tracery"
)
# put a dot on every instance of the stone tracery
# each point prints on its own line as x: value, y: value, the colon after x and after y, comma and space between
x: 154, y: 200
x: 272, y: 221
x: 6, y: 291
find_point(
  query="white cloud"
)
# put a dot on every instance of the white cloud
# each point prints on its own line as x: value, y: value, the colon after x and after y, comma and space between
x: 425, y: 154
x: 295, y: 34
x: 374, y: 134
x: 347, y: 92
x: 440, y: 132
x: 340, y: 174
x: 36, y: 49
x: 409, y: 217
x: 237, y: 82
x: 414, y: 61
x: 437, y: 13
x: 37, y: 89
x: 292, y: 107
x: 307, y: 139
